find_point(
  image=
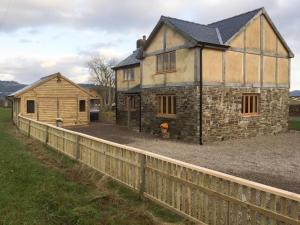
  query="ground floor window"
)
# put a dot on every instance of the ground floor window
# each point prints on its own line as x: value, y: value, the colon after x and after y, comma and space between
x: 82, y: 106
x: 30, y: 106
x: 166, y: 104
x: 129, y: 100
x: 250, y: 104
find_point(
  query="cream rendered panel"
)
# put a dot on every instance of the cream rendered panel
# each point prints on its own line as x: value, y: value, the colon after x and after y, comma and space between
x: 173, y: 38
x: 269, y: 37
x: 283, y: 71
x: 157, y: 42
x: 269, y: 70
x: 149, y: 72
x: 253, y: 35
x: 281, y: 50
x: 252, y: 69
x: 184, y: 67
x: 238, y: 41
x: 124, y: 84
x: 212, y: 65
x: 234, y: 67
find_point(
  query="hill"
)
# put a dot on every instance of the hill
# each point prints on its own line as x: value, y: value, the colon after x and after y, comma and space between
x: 295, y: 93
x: 8, y: 87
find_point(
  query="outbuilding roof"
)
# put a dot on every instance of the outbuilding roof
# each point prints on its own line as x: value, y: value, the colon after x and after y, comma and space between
x: 43, y: 80
x: 216, y: 34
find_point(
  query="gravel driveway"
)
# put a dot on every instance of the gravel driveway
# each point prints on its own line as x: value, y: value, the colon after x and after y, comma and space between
x: 271, y: 160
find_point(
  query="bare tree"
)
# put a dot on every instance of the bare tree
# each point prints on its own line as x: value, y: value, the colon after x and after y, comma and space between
x: 103, y: 76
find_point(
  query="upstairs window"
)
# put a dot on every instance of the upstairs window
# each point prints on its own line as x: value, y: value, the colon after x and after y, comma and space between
x: 166, y: 104
x: 250, y: 104
x: 130, y: 100
x: 82, y: 106
x: 30, y: 106
x: 128, y: 74
x: 166, y: 62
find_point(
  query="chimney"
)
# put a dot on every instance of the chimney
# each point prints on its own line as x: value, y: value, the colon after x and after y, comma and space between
x: 141, y: 42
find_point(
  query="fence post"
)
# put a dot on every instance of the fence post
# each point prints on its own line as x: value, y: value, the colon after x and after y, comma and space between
x: 77, y: 147
x: 47, y: 135
x: 29, y: 125
x: 143, y: 174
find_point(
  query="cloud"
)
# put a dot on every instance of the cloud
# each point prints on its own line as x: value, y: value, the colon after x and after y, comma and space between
x: 6, y: 76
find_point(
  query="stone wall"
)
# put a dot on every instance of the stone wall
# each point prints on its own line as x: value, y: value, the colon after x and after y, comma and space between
x: 186, y: 124
x: 122, y: 113
x: 222, y: 119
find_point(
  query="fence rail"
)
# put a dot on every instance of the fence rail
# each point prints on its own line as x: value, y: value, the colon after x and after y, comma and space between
x: 199, y: 194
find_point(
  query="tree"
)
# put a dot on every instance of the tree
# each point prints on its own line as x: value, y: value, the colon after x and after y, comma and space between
x: 103, y: 76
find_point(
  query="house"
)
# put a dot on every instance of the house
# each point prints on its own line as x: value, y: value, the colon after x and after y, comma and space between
x: 225, y: 80
x: 50, y: 98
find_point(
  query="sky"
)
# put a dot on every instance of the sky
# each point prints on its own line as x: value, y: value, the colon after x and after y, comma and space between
x: 41, y: 37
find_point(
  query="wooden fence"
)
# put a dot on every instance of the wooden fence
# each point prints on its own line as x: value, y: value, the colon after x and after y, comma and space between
x: 199, y: 194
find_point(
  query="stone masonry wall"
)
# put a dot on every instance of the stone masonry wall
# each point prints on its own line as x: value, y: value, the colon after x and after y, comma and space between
x: 184, y: 126
x: 222, y: 117
x: 122, y: 113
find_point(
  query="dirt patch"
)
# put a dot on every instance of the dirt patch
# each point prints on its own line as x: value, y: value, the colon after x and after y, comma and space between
x: 272, y: 160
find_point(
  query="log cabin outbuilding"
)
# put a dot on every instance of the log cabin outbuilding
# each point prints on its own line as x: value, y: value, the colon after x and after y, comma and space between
x: 50, y: 98
x: 224, y: 80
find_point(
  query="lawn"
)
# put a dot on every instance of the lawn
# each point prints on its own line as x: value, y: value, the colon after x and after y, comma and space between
x: 295, y: 123
x: 40, y: 186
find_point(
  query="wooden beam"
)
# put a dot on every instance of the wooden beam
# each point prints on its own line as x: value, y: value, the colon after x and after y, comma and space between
x: 261, y: 50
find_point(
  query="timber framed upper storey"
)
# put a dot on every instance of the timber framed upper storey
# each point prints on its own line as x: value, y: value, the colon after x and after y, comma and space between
x: 210, y: 69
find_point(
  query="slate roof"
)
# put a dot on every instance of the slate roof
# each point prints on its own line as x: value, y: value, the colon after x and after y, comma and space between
x: 130, y: 60
x: 133, y: 90
x: 198, y: 32
x: 230, y: 26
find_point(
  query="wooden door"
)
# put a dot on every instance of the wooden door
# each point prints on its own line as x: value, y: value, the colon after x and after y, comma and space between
x: 68, y: 110
x: 47, y: 109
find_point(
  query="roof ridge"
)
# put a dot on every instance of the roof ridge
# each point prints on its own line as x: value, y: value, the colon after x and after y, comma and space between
x: 258, y: 9
x: 168, y: 17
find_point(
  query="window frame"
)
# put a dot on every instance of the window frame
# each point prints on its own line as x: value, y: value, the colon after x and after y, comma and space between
x: 166, y: 67
x: 80, y: 106
x: 129, y: 76
x: 250, y: 107
x: 27, y: 106
x: 166, y: 105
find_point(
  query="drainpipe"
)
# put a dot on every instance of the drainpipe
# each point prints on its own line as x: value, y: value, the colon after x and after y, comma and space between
x: 140, y: 112
x: 116, y: 97
x: 201, y: 93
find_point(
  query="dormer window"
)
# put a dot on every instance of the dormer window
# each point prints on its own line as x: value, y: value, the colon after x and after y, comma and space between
x: 166, y: 62
x: 128, y: 74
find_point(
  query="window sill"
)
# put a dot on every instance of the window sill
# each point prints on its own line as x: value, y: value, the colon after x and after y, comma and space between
x: 250, y: 115
x: 127, y: 80
x: 131, y: 110
x: 163, y: 72
x: 171, y: 116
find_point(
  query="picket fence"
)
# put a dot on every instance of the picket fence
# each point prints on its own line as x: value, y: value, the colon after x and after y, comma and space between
x: 202, y: 195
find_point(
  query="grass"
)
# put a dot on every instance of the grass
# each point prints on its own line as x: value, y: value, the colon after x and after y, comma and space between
x: 40, y: 186
x: 295, y: 124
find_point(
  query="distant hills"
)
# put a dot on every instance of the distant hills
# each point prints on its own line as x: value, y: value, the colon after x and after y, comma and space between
x: 295, y: 93
x: 8, y: 87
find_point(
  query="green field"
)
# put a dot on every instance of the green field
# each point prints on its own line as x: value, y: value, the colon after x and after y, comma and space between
x: 39, y: 186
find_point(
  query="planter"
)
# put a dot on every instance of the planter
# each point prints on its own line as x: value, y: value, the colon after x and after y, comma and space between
x: 164, y: 128
x: 59, y: 122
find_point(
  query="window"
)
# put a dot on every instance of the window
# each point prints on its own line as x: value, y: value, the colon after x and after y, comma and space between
x: 82, y: 106
x: 250, y: 104
x: 166, y: 62
x: 166, y: 104
x: 30, y: 106
x: 128, y: 74
x: 132, y: 102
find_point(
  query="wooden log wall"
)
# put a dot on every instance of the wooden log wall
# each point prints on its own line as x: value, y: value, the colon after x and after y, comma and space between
x: 199, y: 194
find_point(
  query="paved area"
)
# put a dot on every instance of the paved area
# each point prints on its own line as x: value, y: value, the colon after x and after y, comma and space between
x: 271, y: 160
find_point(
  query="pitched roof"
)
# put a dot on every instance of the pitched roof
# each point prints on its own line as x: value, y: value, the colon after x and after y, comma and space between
x: 230, y: 26
x: 216, y: 34
x: 43, y: 80
x: 130, y: 60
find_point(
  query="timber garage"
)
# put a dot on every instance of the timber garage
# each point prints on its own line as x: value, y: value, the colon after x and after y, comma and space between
x: 53, y: 98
